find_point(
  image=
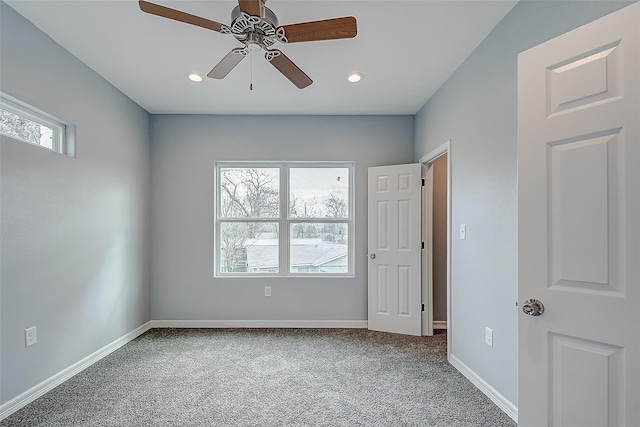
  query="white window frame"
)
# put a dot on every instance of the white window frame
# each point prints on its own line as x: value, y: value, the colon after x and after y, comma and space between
x: 284, y: 221
x: 63, y: 132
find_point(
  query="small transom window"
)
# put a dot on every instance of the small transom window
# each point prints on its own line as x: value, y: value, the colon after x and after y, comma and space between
x: 28, y: 124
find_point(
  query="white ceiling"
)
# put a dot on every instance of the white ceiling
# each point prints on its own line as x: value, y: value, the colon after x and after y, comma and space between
x: 405, y: 49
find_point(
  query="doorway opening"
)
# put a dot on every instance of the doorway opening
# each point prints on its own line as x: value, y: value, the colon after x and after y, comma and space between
x: 436, y: 258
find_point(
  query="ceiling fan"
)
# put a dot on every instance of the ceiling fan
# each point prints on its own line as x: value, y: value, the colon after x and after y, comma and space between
x: 257, y: 27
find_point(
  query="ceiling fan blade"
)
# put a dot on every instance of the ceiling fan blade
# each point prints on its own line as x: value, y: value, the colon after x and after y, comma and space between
x: 328, y: 29
x: 227, y: 63
x: 288, y: 68
x: 250, y: 7
x: 176, y: 15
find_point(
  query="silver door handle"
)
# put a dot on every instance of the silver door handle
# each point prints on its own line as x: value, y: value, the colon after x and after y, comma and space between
x: 533, y: 307
x: 372, y: 256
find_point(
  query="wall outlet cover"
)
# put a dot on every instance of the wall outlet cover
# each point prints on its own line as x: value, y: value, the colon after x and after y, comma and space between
x: 30, y: 336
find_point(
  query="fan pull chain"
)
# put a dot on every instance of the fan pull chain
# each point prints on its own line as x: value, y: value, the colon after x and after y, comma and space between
x: 251, y: 59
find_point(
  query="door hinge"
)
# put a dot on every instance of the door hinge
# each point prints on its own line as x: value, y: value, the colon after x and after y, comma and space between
x: 422, y: 245
x: 423, y: 182
x: 422, y: 307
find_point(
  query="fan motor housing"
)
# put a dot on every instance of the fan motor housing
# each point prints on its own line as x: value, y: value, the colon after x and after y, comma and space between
x: 269, y: 17
x: 260, y: 30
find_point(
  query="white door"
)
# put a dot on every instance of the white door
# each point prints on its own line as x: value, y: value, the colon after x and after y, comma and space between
x: 395, y: 243
x: 579, y: 226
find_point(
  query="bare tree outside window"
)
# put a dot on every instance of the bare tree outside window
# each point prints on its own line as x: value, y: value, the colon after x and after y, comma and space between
x: 238, y: 237
x: 249, y: 192
x: 24, y: 129
x: 252, y: 193
x: 319, y: 193
x: 337, y: 205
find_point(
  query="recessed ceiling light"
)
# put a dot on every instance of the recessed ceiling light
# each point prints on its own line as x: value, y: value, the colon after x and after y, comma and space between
x: 355, y: 77
x: 194, y: 77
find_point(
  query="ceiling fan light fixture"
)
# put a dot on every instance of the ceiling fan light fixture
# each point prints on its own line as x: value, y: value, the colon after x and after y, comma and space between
x: 194, y: 77
x: 355, y: 77
x: 257, y: 28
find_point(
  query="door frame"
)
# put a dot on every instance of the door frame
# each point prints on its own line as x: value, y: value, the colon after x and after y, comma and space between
x: 426, y: 161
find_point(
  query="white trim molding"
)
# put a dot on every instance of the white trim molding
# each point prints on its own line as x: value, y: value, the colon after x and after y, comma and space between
x: 439, y: 324
x: 347, y: 324
x: 433, y: 155
x: 502, y: 402
x: 49, y: 384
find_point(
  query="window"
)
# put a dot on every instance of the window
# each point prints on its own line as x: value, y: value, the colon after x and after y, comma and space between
x: 284, y: 219
x: 27, y: 124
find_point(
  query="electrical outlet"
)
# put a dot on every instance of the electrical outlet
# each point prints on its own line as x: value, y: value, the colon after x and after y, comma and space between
x: 463, y: 231
x: 30, y: 336
x: 267, y: 291
x: 488, y: 337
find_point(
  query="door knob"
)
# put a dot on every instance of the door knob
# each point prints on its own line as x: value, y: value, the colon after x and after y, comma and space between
x: 372, y: 256
x: 533, y: 307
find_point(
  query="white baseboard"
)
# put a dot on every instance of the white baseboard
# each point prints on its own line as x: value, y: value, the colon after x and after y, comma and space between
x: 502, y: 402
x: 38, y: 390
x: 349, y: 324
x: 439, y: 324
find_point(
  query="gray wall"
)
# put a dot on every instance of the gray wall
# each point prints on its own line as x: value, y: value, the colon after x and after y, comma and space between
x: 476, y: 109
x: 183, y: 153
x: 74, y: 231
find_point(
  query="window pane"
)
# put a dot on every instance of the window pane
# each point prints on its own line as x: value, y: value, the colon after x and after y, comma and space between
x: 250, y: 192
x: 24, y: 129
x: 319, y: 247
x: 249, y: 247
x: 319, y: 192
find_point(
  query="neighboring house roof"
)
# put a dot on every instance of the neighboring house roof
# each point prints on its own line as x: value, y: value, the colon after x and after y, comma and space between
x: 263, y: 253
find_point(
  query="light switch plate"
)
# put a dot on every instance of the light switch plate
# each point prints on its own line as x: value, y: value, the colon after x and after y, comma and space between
x: 463, y: 231
x: 488, y: 337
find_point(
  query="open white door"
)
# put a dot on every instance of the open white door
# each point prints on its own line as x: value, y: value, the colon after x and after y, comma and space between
x: 395, y: 244
x: 579, y: 226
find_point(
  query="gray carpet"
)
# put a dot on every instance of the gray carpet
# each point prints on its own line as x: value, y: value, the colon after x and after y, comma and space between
x: 268, y: 377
